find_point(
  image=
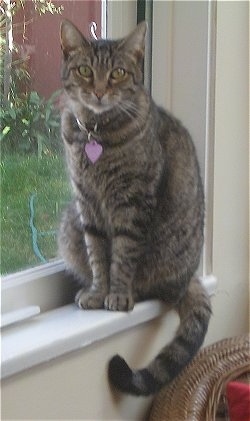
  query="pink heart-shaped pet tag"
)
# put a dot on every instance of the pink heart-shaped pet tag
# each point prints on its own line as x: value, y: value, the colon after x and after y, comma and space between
x: 93, y: 150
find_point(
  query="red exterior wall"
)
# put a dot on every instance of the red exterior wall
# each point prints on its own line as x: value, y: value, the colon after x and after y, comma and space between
x: 42, y: 40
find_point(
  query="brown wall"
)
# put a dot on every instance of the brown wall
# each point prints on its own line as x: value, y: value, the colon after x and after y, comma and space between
x: 41, y: 39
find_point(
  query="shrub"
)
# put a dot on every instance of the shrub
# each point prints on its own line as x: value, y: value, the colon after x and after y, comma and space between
x: 31, y: 124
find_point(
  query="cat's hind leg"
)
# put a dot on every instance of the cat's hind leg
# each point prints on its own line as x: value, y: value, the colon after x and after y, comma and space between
x: 84, y: 254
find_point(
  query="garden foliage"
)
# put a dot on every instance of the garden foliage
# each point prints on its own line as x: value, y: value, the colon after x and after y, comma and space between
x: 29, y: 123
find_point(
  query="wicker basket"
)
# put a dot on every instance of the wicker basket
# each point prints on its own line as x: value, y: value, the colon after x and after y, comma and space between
x: 195, y: 394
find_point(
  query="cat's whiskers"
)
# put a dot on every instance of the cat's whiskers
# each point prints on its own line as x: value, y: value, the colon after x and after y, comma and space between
x: 141, y: 117
x: 131, y: 111
x: 130, y: 106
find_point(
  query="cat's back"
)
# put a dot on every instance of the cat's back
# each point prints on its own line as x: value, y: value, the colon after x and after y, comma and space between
x: 173, y: 135
x: 181, y: 184
x: 177, y: 144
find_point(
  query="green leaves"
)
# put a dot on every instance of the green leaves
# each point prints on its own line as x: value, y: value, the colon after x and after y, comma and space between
x: 28, y: 122
x: 6, y: 130
x: 45, y: 6
x: 31, y: 125
x: 34, y: 98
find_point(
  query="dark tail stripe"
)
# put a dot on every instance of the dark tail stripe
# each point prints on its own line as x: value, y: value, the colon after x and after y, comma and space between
x: 150, y: 383
x: 139, y: 383
x: 120, y: 374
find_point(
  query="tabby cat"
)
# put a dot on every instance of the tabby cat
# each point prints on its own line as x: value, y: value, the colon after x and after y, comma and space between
x: 134, y: 230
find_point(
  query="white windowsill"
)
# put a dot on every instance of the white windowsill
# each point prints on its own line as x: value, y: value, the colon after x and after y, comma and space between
x: 59, y: 331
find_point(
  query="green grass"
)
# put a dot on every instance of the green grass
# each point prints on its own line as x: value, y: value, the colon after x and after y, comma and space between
x: 22, y: 176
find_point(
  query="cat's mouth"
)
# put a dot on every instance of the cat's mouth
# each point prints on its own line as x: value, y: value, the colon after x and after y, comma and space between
x: 98, y: 105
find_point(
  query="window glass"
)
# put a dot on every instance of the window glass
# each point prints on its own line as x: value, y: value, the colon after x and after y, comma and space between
x: 34, y: 184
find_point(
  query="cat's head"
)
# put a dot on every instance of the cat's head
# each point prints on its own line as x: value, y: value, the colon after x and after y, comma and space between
x: 102, y: 74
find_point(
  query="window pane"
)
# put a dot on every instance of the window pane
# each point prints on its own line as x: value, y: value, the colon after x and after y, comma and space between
x: 34, y: 184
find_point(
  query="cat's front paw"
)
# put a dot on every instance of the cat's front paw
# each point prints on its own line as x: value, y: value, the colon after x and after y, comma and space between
x: 119, y: 302
x: 89, y: 299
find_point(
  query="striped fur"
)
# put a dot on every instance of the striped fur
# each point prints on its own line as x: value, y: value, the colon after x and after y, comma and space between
x: 134, y: 229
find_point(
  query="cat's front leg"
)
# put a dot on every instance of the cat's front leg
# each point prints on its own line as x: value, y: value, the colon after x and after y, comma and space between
x: 119, y: 301
x: 129, y: 221
x: 125, y: 255
x: 97, y: 248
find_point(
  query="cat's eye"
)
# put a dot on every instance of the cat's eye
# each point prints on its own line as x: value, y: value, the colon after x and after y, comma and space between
x: 85, y: 71
x: 118, y: 74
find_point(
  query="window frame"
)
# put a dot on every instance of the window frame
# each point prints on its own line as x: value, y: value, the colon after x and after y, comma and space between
x: 47, y: 285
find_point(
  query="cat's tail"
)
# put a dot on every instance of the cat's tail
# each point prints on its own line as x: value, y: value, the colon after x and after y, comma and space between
x: 194, y: 311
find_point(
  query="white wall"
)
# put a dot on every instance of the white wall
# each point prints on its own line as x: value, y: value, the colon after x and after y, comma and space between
x: 68, y: 388
x: 75, y: 387
x: 230, y: 228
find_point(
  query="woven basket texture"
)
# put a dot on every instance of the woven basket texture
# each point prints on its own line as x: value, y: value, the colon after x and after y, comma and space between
x: 195, y: 394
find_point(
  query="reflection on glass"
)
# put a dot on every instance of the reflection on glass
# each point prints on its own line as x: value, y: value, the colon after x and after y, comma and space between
x: 34, y: 186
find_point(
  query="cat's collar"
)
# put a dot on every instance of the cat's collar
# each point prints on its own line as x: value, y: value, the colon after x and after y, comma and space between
x: 94, y: 125
x: 83, y: 127
x: 89, y: 132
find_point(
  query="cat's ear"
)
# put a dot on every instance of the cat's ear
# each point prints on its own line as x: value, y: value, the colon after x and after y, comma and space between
x: 71, y: 38
x: 135, y: 42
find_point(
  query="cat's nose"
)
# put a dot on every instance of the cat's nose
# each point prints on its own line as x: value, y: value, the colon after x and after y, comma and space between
x: 99, y: 94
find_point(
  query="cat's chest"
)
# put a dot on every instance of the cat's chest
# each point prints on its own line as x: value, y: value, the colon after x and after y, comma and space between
x: 93, y: 159
x: 118, y: 175
x: 106, y: 178
x: 104, y: 171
